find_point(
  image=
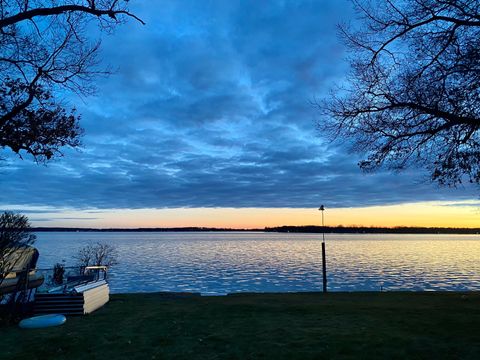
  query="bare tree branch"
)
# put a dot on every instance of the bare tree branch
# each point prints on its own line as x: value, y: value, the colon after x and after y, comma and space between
x: 57, y: 10
x: 420, y: 104
x: 46, y: 49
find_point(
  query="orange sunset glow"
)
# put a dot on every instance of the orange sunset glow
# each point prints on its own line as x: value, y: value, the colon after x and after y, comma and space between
x: 422, y: 214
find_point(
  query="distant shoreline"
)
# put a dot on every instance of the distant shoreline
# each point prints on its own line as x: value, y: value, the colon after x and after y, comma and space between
x: 308, y: 229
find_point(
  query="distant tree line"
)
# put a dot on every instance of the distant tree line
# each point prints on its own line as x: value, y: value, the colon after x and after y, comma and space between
x: 293, y: 229
x: 170, y: 229
x: 372, y: 230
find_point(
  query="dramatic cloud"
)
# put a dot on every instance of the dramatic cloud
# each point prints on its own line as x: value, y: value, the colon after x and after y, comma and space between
x: 210, y: 106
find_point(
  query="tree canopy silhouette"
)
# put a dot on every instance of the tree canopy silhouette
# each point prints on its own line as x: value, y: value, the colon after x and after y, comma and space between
x: 413, y: 97
x: 44, y: 53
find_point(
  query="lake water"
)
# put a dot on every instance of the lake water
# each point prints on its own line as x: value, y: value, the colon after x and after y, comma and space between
x: 220, y: 263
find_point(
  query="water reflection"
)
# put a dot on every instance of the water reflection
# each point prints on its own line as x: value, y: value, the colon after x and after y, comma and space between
x: 219, y: 263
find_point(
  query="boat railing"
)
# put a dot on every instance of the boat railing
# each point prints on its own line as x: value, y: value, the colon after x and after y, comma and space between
x: 63, y: 279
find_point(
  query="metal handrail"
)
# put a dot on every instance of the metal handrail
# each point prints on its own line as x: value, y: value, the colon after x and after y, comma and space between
x: 76, y: 274
x: 93, y: 267
x: 97, y: 267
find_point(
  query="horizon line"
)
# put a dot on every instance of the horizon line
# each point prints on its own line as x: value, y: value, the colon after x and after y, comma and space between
x: 282, y: 228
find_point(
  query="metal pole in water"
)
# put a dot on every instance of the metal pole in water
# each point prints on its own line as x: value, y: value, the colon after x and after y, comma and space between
x: 324, y: 261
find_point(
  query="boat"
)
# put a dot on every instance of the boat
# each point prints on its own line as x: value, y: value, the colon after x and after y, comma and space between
x: 22, y: 274
x: 79, y: 295
x: 43, y: 321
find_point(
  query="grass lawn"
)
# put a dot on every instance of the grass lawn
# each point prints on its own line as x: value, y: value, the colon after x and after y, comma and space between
x: 262, y: 326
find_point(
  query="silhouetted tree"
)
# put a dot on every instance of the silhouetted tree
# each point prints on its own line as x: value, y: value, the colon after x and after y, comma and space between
x: 97, y: 254
x: 413, y: 96
x: 44, y: 53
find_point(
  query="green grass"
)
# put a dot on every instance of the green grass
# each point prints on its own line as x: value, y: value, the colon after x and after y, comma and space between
x: 262, y: 326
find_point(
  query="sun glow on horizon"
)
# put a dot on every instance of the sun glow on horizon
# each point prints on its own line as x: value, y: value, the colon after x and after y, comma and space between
x: 422, y: 214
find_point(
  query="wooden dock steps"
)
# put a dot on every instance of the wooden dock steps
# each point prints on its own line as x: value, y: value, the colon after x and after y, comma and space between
x: 85, y: 302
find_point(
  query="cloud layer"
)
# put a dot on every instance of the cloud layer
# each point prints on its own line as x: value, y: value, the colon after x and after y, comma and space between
x: 210, y: 106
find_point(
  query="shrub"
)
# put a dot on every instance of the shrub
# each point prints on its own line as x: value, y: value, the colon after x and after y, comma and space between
x: 97, y: 254
x: 58, y: 273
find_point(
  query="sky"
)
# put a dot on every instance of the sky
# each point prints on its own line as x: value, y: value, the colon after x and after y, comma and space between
x: 207, y: 120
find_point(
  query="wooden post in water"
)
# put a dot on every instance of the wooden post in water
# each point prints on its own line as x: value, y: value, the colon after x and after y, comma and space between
x: 324, y: 268
x: 324, y: 260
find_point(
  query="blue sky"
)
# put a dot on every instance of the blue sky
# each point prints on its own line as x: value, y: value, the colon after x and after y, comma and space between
x: 210, y: 106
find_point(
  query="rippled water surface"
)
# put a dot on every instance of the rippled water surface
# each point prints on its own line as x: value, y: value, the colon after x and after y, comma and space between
x: 219, y: 263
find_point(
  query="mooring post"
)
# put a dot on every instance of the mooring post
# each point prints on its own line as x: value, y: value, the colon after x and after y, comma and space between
x: 324, y: 268
x: 324, y: 260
